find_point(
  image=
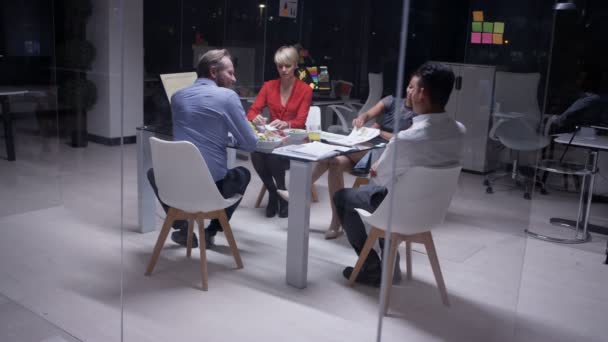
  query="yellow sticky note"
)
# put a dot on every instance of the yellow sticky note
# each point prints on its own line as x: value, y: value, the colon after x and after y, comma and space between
x: 477, y: 15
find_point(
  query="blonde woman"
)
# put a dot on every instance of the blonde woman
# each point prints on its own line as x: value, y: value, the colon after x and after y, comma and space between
x: 288, y: 100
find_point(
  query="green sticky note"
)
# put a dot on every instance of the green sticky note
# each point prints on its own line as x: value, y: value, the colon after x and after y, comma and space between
x: 488, y: 26
x: 499, y: 27
x: 476, y: 26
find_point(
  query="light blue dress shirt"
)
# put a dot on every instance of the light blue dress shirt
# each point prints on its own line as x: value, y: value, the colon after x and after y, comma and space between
x: 204, y: 114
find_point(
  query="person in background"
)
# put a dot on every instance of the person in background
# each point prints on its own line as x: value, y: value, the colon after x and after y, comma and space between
x: 385, y: 108
x: 288, y: 101
x: 434, y: 140
x: 204, y: 113
x: 590, y: 109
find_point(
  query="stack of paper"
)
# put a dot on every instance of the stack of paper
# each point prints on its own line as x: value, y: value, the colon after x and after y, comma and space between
x: 356, y: 136
x: 311, y: 151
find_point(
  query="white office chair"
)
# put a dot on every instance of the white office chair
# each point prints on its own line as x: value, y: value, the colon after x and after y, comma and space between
x: 313, y: 118
x: 191, y: 194
x: 175, y: 82
x: 516, y: 121
x: 346, y: 113
x: 421, y: 199
x: 519, y: 135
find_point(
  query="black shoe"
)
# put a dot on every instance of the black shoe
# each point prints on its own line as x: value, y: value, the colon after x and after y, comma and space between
x: 180, y: 237
x: 271, y: 208
x: 366, y: 277
x: 283, y: 208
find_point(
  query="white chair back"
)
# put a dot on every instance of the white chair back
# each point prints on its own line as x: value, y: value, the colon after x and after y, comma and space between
x: 314, y: 116
x: 376, y: 86
x: 174, y: 82
x: 183, y: 178
x: 517, y: 92
x: 421, y: 199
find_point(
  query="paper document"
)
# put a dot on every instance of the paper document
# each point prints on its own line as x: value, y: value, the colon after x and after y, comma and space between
x: 311, y: 151
x: 356, y: 136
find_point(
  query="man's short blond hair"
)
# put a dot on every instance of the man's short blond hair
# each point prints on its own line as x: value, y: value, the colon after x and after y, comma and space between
x: 211, y: 59
x: 286, y: 55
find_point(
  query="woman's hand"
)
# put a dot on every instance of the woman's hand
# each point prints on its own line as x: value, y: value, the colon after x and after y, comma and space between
x: 259, y: 120
x: 279, y: 124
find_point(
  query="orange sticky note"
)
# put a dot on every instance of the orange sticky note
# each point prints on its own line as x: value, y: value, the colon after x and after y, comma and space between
x: 497, y: 38
x: 477, y: 15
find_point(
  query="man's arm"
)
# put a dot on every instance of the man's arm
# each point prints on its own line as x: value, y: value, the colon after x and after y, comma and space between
x: 381, y: 169
x: 238, y: 125
x: 574, y: 115
x: 375, y: 111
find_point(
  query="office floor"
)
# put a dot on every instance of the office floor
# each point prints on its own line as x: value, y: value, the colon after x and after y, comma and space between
x: 60, y: 267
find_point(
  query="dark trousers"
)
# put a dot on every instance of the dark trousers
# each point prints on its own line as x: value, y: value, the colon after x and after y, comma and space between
x: 367, y: 197
x: 235, y: 182
x: 271, y: 170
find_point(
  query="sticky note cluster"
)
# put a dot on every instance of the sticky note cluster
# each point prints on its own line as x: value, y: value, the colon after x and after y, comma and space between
x: 486, y: 32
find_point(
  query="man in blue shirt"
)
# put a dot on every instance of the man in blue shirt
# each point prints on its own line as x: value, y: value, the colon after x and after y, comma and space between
x: 204, y: 113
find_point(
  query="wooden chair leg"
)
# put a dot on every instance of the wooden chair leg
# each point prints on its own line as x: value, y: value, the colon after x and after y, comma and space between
x: 189, y: 241
x: 313, y: 193
x: 258, y: 201
x: 432, y: 254
x: 388, y: 273
x: 160, y: 242
x: 360, y: 181
x: 369, y: 243
x: 203, y: 250
x: 408, y: 259
x: 230, y: 237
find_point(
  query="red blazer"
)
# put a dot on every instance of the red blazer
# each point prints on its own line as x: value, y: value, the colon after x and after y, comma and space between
x: 294, y: 112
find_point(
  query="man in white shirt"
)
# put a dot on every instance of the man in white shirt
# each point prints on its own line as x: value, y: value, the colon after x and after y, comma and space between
x: 433, y: 140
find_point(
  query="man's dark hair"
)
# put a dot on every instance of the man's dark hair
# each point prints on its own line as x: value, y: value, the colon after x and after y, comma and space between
x: 211, y: 59
x: 438, y: 80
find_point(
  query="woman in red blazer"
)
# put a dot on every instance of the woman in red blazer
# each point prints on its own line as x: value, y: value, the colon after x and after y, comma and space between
x: 288, y: 100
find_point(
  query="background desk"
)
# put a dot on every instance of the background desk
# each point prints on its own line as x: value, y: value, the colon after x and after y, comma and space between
x: 9, y: 140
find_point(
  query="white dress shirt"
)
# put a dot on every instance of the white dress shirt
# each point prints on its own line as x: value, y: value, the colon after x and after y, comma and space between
x: 433, y: 140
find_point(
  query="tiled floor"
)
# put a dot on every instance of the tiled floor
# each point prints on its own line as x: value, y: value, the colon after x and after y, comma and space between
x: 61, y: 266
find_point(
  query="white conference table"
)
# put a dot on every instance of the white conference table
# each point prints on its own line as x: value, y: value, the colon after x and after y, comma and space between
x: 298, y: 223
x: 5, y: 93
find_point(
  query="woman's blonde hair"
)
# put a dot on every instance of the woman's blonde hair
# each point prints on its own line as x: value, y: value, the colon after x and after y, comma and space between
x: 286, y: 55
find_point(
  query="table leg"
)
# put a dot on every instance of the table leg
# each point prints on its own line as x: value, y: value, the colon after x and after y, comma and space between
x: 298, y: 223
x: 8, y: 129
x: 581, y: 225
x: 146, y: 200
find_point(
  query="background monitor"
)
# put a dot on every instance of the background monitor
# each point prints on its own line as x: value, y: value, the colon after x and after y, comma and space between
x: 316, y: 77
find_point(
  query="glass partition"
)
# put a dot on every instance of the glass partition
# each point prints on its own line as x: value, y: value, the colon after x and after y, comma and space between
x: 508, y: 246
x: 516, y: 226
x: 466, y: 272
x: 60, y: 166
